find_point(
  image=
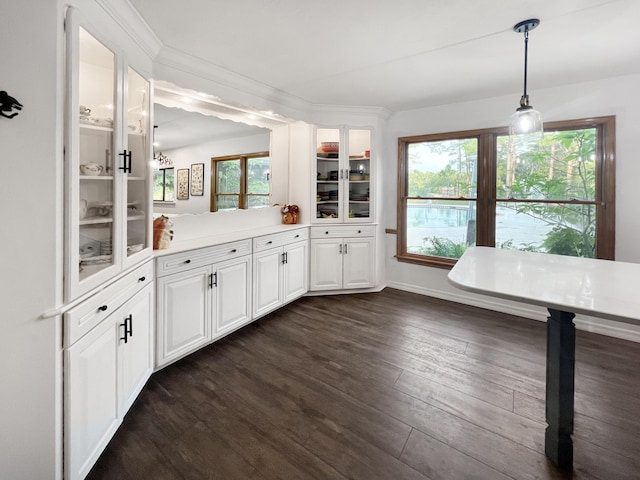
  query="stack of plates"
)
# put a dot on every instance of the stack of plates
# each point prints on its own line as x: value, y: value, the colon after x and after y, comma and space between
x: 106, y: 248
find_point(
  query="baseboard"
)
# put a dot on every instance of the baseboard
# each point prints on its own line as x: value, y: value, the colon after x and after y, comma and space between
x: 319, y: 293
x: 590, y: 324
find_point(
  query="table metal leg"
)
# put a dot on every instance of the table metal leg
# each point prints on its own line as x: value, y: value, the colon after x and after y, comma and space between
x: 561, y: 349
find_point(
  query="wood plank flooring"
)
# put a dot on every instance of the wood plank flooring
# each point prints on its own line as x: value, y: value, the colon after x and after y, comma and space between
x: 390, y: 385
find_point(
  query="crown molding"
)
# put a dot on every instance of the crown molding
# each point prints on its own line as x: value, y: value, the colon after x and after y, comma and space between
x: 125, y: 15
x: 381, y: 113
x: 230, y: 81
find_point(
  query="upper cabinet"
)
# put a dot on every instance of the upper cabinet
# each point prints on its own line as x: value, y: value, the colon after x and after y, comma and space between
x: 107, y: 161
x: 343, y: 179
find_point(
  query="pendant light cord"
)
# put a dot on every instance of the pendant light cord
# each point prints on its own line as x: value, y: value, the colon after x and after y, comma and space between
x: 526, y: 58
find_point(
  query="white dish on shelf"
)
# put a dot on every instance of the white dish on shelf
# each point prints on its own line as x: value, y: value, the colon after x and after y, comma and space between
x: 134, y: 248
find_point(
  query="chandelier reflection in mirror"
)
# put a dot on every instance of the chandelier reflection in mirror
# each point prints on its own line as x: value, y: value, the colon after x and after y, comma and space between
x: 525, y: 121
x: 162, y: 161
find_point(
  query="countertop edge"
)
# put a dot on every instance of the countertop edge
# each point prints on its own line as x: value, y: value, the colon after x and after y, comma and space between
x: 226, y: 237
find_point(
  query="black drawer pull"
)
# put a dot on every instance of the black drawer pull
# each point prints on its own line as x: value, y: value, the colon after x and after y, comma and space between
x: 359, y: 231
x: 142, y: 279
x: 269, y: 242
x: 103, y: 308
x: 187, y: 261
x: 326, y: 233
x: 297, y: 236
x: 234, y: 250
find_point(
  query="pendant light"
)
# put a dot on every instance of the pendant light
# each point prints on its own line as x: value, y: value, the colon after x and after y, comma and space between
x: 526, y: 121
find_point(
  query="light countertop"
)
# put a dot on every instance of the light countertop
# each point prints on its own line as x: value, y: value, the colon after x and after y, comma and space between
x: 178, y: 245
x: 599, y: 288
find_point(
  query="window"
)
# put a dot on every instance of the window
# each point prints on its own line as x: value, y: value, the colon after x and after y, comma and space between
x: 163, y: 181
x: 555, y: 195
x: 240, y: 181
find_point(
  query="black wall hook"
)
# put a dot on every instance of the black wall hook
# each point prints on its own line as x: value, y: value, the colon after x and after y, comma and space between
x: 7, y: 104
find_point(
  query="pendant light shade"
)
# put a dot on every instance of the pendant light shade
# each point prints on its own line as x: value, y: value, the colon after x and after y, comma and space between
x: 526, y: 121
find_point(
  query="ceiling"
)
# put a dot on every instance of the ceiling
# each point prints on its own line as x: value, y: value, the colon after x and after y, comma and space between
x: 402, y: 54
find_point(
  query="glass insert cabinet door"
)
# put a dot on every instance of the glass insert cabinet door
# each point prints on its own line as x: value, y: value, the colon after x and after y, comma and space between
x: 107, y: 160
x: 137, y: 169
x: 343, y: 175
x: 90, y: 156
x: 329, y: 174
x: 359, y: 174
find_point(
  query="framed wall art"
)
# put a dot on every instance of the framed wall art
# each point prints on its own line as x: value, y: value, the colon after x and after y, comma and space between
x: 197, y: 179
x: 182, y: 187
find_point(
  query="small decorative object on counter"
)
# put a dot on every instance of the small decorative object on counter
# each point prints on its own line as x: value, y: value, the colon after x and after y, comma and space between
x: 289, y: 214
x: 162, y: 233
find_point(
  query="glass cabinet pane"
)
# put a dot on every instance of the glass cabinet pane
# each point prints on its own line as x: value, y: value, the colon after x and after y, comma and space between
x: 328, y: 174
x: 359, y: 173
x: 96, y: 94
x: 137, y: 174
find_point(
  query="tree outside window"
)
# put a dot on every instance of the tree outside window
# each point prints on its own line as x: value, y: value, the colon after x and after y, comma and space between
x: 556, y: 195
x: 163, y: 185
x: 240, y: 181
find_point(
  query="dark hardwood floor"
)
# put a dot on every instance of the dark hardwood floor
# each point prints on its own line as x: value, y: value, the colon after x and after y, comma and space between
x: 378, y: 386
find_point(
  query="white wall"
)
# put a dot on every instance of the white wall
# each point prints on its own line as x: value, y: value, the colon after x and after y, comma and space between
x: 30, y: 240
x: 186, y: 156
x: 614, y: 96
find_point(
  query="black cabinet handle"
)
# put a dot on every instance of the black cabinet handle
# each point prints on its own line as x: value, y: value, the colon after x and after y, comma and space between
x: 359, y: 231
x: 126, y: 161
x: 214, y: 279
x: 234, y: 250
x: 128, y: 328
x: 125, y: 338
x: 142, y: 279
x: 326, y: 233
x: 103, y: 308
x: 297, y: 236
x: 187, y: 261
x: 269, y: 242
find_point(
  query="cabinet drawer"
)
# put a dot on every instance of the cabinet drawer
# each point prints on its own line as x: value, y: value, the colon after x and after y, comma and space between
x: 279, y: 239
x: 180, y: 262
x: 79, y: 320
x: 341, y: 231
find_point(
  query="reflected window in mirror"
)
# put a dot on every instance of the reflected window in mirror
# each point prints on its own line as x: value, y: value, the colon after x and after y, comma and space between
x: 240, y: 181
x: 163, y: 185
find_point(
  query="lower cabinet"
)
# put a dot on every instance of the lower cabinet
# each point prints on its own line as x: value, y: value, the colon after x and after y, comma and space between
x: 105, y: 369
x: 338, y: 261
x: 184, y: 309
x: 279, y: 276
x: 201, y: 297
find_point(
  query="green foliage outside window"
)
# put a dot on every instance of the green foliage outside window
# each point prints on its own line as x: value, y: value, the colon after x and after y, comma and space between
x: 537, y: 181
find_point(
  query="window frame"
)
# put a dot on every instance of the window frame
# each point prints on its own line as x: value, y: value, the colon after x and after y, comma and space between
x: 486, y: 198
x: 164, y: 185
x: 243, y: 195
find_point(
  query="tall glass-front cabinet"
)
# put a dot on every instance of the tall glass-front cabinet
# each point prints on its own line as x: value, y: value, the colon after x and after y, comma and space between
x: 342, y: 254
x: 107, y: 158
x: 343, y: 178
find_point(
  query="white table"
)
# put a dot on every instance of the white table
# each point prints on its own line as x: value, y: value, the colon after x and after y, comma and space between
x: 565, y: 286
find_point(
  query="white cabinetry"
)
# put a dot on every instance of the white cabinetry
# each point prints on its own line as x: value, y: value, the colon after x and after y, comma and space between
x: 107, y: 155
x: 183, y: 313
x: 280, y: 269
x: 202, y: 295
x: 108, y: 358
x: 343, y: 176
x: 342, y: 257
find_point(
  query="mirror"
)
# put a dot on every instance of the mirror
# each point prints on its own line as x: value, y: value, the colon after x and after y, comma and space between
x: 192, y: 128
